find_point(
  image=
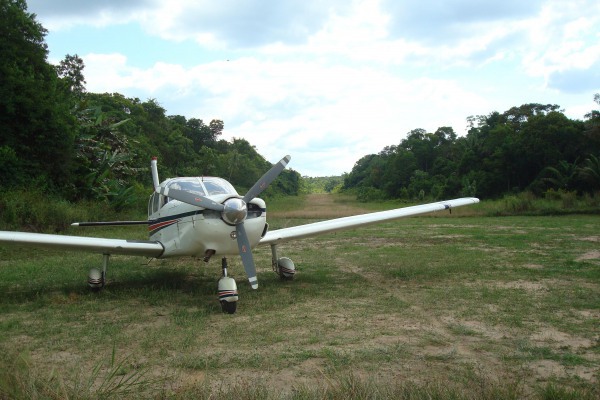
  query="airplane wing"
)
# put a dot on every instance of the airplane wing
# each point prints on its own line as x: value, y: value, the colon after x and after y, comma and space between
x: 83, y: 243
x: 338, y: 224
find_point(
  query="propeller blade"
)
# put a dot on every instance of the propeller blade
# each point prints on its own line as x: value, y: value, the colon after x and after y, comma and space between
x: 191, y: 198
x: 246, y: 254
x: 266, y: 179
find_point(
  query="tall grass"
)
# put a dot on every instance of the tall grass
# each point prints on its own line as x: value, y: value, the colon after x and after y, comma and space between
x: 37, y: 211
x: 21, y: 379
x: 552, y: 203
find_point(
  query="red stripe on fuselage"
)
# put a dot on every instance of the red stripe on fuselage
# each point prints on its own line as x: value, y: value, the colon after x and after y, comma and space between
x: 161, y: 224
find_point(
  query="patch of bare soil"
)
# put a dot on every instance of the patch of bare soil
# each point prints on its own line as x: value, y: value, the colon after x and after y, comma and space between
x: 523, y: 285
x: 546, y: 369
x: 321, y: 206
x: 560, y: 339
x: 534, y: 266
x: 590, y: 255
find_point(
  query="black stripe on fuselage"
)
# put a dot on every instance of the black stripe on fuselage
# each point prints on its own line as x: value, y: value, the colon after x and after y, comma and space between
x: 156, y: 225
x: 175, y: 216
x: 164, y: 221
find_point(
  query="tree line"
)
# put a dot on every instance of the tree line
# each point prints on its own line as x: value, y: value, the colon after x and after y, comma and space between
x: 58, y: 138
x: 533, y: 147
x: 55, y: 137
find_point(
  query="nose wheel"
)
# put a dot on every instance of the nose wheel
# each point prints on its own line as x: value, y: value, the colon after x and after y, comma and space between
x: 229, y: 307
x: 227, y: 291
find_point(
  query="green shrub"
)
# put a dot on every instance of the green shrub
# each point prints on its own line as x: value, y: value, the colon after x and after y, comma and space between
x: 569, y: 200
x: 37, y: 211
x: 366, y: 194
x: 552, y: 194
x: 520, y: 203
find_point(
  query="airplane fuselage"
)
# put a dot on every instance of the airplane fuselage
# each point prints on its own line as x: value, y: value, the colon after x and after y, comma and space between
x: 188, y: 230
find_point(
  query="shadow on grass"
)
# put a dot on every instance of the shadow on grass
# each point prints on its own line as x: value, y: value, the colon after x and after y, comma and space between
x: 170, y: 280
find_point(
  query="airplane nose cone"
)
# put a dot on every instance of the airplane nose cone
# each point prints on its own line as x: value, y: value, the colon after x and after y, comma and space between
x: 235, y: 211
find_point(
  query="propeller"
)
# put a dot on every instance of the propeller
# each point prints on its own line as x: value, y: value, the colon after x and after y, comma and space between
x: 234, y: 212
x: 190, y: 198
x: 266, y: 179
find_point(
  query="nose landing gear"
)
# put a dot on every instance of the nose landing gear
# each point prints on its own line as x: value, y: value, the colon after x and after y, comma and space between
x: 227, y: 291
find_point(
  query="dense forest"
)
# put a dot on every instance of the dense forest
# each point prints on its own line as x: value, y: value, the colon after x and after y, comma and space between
x: 533, y: 147
x: 59, y: 139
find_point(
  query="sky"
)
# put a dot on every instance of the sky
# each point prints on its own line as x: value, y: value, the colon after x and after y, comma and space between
x: 329, y: 82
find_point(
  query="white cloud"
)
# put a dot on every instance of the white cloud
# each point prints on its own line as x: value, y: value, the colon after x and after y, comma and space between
x: 563, y: 37
x: 238, y: 24
x: 329, y: 84
x: 64, y: 14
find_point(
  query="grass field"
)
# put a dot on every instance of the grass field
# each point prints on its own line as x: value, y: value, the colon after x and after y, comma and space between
x: 444, y: 306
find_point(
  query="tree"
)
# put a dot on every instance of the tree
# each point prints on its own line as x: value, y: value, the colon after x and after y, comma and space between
x: 529, y: 147
x: 70, y: 70
x: 422, y: 145
x: 592, y: 128
x: 562, y: 177
x: 510, y: 150
x: 198, y: 132
x: 35, y: 119
x: 590, y: 173
x: 401, y: 166
x: 361, y: 172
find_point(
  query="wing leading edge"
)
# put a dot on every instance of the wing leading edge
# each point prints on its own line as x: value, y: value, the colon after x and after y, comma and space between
x: 83, y: 243
x: 317, y: 228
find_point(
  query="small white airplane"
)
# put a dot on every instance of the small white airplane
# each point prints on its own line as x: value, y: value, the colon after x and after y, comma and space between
x: 205, y: 216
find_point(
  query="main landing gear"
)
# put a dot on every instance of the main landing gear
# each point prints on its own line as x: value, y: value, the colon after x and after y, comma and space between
x: 284, y: 267
x: 97, y: 278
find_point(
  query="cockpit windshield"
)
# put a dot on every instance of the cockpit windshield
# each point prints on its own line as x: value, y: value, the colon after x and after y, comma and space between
x: 204, y: 186
x: 218, y: 186
x: 188, y: 184
x: 207, y: 186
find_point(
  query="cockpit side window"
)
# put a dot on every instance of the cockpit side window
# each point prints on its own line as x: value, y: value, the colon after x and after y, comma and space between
x: 154, y: 204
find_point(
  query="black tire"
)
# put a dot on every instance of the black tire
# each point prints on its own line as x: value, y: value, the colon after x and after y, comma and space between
x: 283, y: 277
x: 229, y: 307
